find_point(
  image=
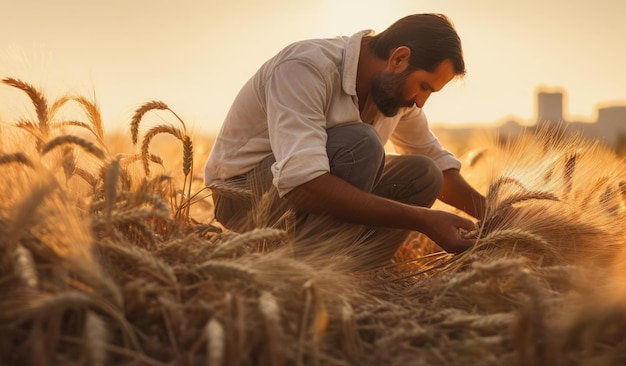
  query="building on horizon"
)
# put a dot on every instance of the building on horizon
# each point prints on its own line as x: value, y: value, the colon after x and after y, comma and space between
x: 549, y: 108
x: 610, y: 123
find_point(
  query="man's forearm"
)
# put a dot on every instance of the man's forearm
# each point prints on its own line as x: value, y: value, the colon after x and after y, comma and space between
x: 330, y: 195
x: 460, y: 194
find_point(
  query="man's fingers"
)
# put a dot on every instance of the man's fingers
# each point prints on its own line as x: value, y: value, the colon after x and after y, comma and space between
x: 465, y: 224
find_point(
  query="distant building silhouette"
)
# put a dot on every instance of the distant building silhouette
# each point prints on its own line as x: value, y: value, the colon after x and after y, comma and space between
x: 609, y: 128
x: 549, y: 108
x: 610, y: 124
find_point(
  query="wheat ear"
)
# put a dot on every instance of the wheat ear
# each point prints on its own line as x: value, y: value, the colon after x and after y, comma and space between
x: 139, y: 113
x: 18, y: 157
x: 148, y: 137
x: 38, y: 100
x: 494, y: 188
x: 87, y: 145
x: 93, y: 113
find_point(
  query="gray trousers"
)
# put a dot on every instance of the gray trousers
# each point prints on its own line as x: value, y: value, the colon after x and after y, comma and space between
x: 356, y: 155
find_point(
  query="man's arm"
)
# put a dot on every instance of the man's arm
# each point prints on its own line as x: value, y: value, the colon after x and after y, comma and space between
x: 330, y: 195
x: 460, y: 194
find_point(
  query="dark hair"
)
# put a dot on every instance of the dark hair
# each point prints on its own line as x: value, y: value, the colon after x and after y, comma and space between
x: 431, y: 38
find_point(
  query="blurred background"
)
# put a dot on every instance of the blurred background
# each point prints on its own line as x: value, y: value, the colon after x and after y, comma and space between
x: 195, y: 54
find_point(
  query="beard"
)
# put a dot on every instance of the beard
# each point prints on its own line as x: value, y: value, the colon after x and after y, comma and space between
x: 386, y: 91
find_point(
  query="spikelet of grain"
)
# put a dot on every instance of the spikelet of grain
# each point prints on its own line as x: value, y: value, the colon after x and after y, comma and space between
x: 93, y: 113
x: 608, y: 201
x: 595, y: 187
x: 129, y: 159
x: 227, y: 189
x: 37, y: 98
x: 68, y: 162
x: 214, y: 333
x: 148, y: 137
x: 491, y: 322
x: 246, y: 238
x: 237, y: 312
x: 350, y: 341
x: 18, y: 157
x: 273, y: 351
x: 25, y: 213
x: 494, y: 188
x: 187, y: 155
x: 500, y: 266
x: 32, y: 129
x: 42, y: 304
x: 475, y: 156
x: 309, y: 299
x: 568, y: 174
x: 87, y: 177
x: 139, y: 113
x: 57, y: 104
x: 70, y: 139
x: 508, y: 238
x: 225, y: 270
x: 462, y: 279
x: 111, y: 177
x: 96, y: 337
x: 526, y: 196
x: 24, y: 267
x: 142, y: 260
x: 134, y: 216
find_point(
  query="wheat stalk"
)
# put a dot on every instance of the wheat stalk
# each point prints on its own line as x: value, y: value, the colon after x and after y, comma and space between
x: 224, y: 270
x: 214, y: 333
x: 270, y: 310
x: 96, y: 338
x: 70, y: 139
x: 249, y: 237
x: 350, y: 341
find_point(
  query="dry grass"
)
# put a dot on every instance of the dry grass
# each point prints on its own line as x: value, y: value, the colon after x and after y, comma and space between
x: 117, y: 269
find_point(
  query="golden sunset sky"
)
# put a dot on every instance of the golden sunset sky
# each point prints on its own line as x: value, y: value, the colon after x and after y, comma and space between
x: 195, y: 55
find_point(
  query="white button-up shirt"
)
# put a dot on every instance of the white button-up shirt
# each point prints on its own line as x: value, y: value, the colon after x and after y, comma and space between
x: 286, y: 107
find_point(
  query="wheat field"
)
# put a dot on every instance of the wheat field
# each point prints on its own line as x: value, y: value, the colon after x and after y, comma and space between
x: 110, y: 256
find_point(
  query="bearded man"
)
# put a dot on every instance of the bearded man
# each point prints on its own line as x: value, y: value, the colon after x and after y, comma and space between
x: 313, y: 122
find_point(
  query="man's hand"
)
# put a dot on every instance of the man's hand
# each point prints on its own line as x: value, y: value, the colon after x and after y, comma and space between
x: 446, y: 230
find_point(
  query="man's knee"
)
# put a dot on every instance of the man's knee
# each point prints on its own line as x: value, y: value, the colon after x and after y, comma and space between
x: 413, y: 179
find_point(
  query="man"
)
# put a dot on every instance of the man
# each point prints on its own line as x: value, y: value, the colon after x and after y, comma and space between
x: 317, y: 116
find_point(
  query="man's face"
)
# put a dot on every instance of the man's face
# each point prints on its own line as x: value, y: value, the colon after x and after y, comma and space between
x: 394, y: 90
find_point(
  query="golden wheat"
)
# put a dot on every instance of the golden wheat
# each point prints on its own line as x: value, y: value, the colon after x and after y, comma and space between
x: 87, y: 145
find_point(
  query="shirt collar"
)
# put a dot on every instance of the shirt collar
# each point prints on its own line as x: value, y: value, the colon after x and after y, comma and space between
x: 351, y: 61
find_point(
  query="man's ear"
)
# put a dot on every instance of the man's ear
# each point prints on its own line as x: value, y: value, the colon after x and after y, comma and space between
x: 399, y: 59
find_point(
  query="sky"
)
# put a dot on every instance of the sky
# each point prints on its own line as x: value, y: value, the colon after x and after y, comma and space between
x: 195, y: 55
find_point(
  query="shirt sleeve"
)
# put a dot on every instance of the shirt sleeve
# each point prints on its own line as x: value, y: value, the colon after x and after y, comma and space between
x: 296, y: 94
x: 413, y: 136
